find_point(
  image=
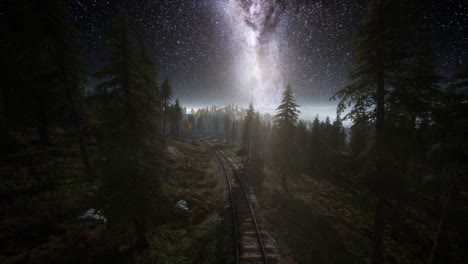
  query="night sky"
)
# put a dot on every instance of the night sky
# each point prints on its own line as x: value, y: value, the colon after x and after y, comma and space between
x: 223, y: 51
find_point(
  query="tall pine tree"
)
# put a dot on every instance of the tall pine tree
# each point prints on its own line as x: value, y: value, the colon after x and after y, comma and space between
x: 247, y: 129
x: 285, y: 123
x: 166, y: 97
x: 47, y: 66
x: 131, y: 194
x: 377, y: 54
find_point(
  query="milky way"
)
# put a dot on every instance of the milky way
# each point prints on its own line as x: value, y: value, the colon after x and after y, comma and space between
x: 222, y: 51
x: 256, y: 48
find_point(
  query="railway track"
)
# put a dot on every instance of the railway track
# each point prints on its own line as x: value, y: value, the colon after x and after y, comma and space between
x: 251, y: 243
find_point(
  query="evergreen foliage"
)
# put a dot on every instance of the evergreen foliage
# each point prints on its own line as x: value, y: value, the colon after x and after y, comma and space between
x: 247, y: 129
x: 44, y: 68
x: 131, y: 194
x: 285, y: 126
x: 393, y: 84
x: 166, y: 97
x: 227, y: 128
x: 234, y: 128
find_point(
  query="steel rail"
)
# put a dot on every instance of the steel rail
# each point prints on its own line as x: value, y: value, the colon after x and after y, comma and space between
x: 235, y: 216
x: 233, y: 206
x: 259, y: 235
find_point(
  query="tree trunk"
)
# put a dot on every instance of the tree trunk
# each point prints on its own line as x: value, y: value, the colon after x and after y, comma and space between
x: 443, y: 219
x: 164, y: 117
x: 76, y: 122
x: 377, y: 240
x: 42, y: 120
x: 378, y: 234
x: 6, y: 126
x: 141, y: 242
x: 83, y: 146
x: 284, y: 182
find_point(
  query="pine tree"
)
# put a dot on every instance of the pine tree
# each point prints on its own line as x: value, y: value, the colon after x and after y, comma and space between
x: 256, y: 138
x: 30, y: 43
x: 302, y: 144
x: 449, y: 155
x: 460, y: 80
x: 247, y: 129
x: 131, y: 192
x: 177, y: 117
x: 216, y: 124
x: 48, y: 56
x: 285, y: 123
x: 149, y: 77
x: 234, y: 127
x: 70, y: 70
x: 337, y: 137
x: 254, y: 168
x: 359, y: 137
x: 166, y: 97
x: 378, y: 55
x: 227, y: 127
x: 316, y: 145
x: 327, y: 133
x: 191, y: 120
x: 286, y: 112
x: 200, y: 125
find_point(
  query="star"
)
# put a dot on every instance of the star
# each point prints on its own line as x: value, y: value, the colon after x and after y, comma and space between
x: 212, y: 48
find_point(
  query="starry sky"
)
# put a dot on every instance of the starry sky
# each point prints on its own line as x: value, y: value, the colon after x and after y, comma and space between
x: 236, y: 51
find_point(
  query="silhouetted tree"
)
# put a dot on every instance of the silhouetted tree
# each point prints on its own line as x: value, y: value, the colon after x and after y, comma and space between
x: 285, y: 122
x: 131, y: 195
x: 71, y: 73
x: 200, y: 125
x: 234, y: 129
x: 166, y: 97
x: 302, y: 144
x: 316, y: 145
x: 448, y: 154
x: 227, y: 127
x: 43, y: 52
x: 176, y: 116
x: 337, y: 141
x: 31, y: 40
x: 247, y: 129
x: 256, y: 138
x: 378, y: 54
x: 191, y: 120
x: 149, y: 77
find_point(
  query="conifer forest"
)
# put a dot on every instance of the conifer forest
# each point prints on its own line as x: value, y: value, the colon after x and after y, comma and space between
x: 234, y: 131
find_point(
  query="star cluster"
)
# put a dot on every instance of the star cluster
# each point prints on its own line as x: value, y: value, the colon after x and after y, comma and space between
x: 197, y: 44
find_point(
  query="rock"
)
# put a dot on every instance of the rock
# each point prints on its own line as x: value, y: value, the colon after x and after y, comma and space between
x: 181, y: 208
x: 92, y: 214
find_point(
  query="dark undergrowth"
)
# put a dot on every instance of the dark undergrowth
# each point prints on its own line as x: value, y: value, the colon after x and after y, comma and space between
x: 44, y: 191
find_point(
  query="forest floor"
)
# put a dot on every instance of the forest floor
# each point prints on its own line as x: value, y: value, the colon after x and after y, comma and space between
x: 43, y: 194
x: 320, y: 221
x: 198, y: 237
x: 315, y: 222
